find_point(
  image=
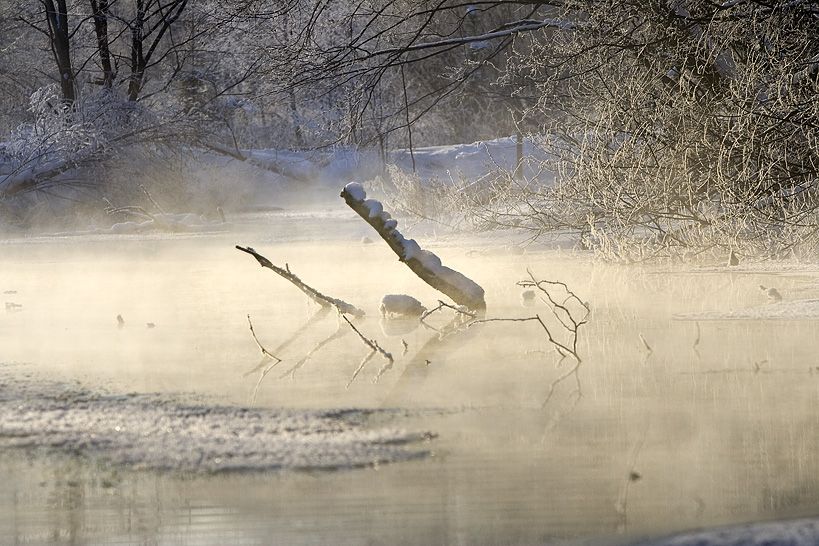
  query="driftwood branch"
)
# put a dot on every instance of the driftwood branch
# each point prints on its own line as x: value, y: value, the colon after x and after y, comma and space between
x: 442, y: 304
x: 562, y: 348
x: 374, y: 348
x: 459, y: 288
x: 261, y: 347
x: 371, y: 343
x: 318, y: 315
x: 570, y: 312
x: 561, y: 310
x: 312, y: 293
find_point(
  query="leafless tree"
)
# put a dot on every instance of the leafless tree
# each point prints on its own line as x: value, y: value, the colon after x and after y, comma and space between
x: 661, y: 126
x: 402, y: 63
x: 133, y: 76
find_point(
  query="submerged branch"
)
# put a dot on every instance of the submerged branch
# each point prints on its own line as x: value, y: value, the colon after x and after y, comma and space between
x: 342, y: 306
x: 371, y: 343
x: 442, y: 304
x: 318, y: 315
x: 561, y: 348
x: 374, y: 348
x: 562, y: 311
x: 256, y: 339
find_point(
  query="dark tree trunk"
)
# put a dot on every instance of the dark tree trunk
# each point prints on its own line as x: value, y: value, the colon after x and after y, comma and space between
x: 164, y: 15
x: 57, y: 17
x: 138, y: 60
x: 100, y: 14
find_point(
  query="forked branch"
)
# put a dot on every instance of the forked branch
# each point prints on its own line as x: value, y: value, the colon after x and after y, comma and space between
x: 570, y: 312
x: 562, y: 310
x: 562, y: 348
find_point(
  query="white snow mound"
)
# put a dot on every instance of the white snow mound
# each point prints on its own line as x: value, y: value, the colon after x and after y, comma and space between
x: 401, y: 305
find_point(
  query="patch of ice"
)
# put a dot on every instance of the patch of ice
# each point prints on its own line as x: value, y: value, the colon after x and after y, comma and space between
x: 128, y: 227
x: 155, y: 432
x: 780, y: 310
x: 804, y: 532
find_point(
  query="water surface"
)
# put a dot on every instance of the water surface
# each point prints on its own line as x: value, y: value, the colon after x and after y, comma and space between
x: 665, y: 425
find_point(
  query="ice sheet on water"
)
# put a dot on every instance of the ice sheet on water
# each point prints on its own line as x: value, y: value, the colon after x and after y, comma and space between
x: 802, y: 532
x: 781, y: 310
x: 160, y: 433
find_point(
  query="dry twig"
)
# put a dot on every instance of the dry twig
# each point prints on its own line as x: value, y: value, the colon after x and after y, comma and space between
x: 261, y: 347
x: 312, y: 293
x: 375, y: 348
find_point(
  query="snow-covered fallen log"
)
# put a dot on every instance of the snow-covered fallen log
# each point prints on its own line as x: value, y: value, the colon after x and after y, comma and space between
x: 461, y: 289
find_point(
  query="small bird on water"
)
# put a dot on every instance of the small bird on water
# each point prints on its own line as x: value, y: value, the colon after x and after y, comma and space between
x: 772, y: 293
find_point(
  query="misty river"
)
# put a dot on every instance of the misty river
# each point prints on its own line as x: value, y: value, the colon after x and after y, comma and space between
x: 479, y: 435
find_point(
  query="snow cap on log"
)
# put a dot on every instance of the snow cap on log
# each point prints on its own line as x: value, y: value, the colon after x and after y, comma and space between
x: 461, y: 289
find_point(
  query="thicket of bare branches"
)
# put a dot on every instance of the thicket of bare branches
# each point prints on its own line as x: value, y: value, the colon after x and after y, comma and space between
x: 664, y: 126
x: 672, y: 126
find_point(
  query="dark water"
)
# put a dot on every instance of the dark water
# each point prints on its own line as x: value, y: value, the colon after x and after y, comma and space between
x: 716, y: 423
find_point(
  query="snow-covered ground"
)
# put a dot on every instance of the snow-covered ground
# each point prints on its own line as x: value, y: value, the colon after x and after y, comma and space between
x: 286, y: 181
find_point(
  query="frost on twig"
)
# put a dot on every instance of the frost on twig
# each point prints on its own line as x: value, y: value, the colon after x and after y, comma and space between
x: 374, y: 348
x: 261, y: 347
x: 320, y: 314
x: 569, y: 311
x: 312, y: 293
x: 461, y: 289
x: 441, y: 305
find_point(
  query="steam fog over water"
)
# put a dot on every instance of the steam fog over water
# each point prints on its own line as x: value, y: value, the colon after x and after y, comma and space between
x: 669, y: 423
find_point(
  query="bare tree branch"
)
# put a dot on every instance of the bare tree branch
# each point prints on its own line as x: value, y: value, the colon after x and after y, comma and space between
x: 312, y: 293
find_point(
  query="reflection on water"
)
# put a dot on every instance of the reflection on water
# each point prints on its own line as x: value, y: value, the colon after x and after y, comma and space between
x: 667, y: 425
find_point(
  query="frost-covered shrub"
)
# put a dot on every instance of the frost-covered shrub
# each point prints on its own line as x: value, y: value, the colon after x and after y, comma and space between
x: 434, y: 199
x: 76, y: 152
x: 63, y: 136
